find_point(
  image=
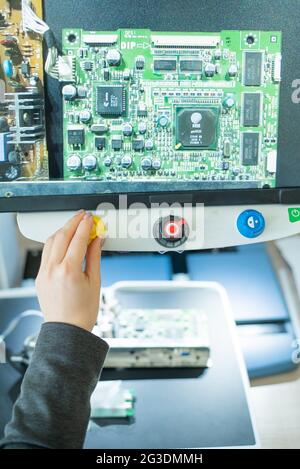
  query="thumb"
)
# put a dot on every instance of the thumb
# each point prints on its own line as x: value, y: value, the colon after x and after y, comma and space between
x: 93, y: 257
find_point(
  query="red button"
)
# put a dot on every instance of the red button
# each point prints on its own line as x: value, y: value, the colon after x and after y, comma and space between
x: 173, y: 229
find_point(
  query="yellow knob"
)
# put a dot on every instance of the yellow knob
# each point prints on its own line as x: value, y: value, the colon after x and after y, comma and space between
x: 99, y: 228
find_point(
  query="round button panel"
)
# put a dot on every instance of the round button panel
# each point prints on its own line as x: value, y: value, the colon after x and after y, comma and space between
x: 250, y: 223
x: 171, y: 231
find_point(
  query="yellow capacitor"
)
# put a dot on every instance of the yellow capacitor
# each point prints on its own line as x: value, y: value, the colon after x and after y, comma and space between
x: 99, y: 229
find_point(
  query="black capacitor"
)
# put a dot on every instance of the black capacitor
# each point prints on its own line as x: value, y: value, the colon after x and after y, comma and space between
x: 69, y: 92
x: 146, y: 164
x: 126, y: 161
x: 113, y: 57
x: 127, y: 129
x: 107, y: 161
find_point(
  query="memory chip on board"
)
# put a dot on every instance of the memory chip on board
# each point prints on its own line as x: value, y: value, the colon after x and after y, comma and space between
x: 252, y: 68
x: 250, y: 148
x: 251, y: 109
x: 164, y: 64
x: 190, y: 65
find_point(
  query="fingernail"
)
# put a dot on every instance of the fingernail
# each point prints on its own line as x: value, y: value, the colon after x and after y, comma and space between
x: 80, y: 211
x: 87, y: 215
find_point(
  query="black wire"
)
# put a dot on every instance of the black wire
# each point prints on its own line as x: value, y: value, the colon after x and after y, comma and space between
x: 49, y: 39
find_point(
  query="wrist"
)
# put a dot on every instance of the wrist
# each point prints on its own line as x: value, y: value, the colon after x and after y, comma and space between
x: 78, y: 324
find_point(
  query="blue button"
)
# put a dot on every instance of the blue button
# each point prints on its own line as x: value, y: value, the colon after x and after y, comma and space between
x: 250, y: 223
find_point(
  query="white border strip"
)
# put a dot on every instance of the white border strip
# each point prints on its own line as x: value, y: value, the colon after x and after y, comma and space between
x: 184, y: 41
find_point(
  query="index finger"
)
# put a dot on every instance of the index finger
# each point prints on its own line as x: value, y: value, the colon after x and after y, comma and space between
x: 62, y: 238
x: 78, y: 246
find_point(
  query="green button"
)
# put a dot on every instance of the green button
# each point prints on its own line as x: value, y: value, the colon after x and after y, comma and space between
x: 294, y: 214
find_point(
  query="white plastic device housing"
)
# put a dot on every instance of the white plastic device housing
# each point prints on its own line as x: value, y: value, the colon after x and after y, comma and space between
x: 216, y: 226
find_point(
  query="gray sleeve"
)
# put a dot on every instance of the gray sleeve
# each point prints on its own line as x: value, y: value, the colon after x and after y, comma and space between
x: 53, y: 408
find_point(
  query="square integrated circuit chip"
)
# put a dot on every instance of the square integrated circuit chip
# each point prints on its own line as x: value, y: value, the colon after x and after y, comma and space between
x: 196, y: 127
x: 110, y: 100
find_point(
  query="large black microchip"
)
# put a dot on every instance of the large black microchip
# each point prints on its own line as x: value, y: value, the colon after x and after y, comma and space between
x: 110, y: 100
x: 250, y: 148
x: 252, y: 68
x: 197, y: 127
x: 251, y: 109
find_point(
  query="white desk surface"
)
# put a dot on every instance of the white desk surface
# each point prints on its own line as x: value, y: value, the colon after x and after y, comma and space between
x: 276, y: 405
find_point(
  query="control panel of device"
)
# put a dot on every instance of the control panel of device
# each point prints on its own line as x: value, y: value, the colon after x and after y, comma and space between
x: 178, y: 229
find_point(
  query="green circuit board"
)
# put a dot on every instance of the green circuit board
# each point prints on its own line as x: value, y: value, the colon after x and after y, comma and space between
x: 147, y: 105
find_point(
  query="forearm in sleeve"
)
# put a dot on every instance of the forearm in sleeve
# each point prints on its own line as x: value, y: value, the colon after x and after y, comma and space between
x: 53, y: 408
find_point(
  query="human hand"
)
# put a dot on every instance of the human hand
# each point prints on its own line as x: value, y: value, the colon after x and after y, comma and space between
x: 66, y: 292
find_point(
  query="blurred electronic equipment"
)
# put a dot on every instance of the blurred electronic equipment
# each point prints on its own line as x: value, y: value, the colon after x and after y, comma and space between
x: 111, y: 400
x: 23, y: 153
x: 141, y: 337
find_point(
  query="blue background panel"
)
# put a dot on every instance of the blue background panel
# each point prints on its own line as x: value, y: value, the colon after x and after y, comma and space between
x: 268, y: 354
x: 248, y: 276
x: 135, y: 267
